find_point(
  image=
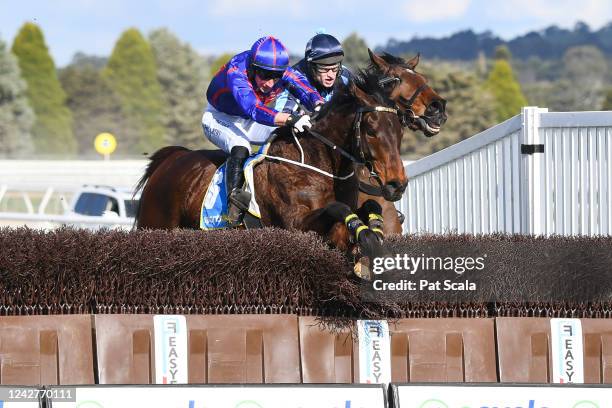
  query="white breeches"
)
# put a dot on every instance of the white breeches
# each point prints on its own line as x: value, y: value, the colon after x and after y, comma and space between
x: 227, y: 131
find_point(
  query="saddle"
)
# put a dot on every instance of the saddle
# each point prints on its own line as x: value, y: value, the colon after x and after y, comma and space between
x: 214, y: 210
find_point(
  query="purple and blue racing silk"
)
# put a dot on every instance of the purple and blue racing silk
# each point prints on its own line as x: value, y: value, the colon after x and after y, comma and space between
x: 231, y: 92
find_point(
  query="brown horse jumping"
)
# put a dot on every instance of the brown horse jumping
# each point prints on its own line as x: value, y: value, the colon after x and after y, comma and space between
x: 421, y: 108
x: 360, y: 121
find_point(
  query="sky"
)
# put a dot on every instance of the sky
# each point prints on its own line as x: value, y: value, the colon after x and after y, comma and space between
x: 217, y: 26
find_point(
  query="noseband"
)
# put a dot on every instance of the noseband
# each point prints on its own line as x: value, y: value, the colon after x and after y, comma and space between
x: 364, y: 156
x: 360, y: 148
x: 407, y: 115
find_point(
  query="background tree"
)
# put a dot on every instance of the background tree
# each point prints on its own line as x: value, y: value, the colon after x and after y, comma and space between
x: 584, y: 70
x: 578, y: 84
x: 219, y: 62
x: 183, y: 76
x: 94, y: 105
x: 470, y: 109
x: 52, y: 132
x: 132, y: 74
x: 607, y: 104
x: 355, y: 52
x: 502, y: 53
x: 509, y: 98
x: 16, y: 116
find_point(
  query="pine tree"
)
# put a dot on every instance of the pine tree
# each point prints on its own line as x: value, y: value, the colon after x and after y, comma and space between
x: 132, y: 74
x: 52, y: 132
x: 183, y: 76
x: 96, y: 108
x: 16, y: 116
x: 502, y: 53
x: 509, y: 98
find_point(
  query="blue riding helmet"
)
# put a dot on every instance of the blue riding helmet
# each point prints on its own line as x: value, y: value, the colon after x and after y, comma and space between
x: 324, y: 49
x: 269, y: 54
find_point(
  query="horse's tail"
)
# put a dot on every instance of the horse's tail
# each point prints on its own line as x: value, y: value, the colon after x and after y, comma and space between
x: 155, y: 160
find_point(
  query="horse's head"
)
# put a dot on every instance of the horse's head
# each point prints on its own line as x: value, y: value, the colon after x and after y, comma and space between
x: 422, y: 108
x: 378, y: 134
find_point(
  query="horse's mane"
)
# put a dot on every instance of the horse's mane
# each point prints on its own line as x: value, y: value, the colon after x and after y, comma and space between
x: 393, y: 60
x: 345, y: 99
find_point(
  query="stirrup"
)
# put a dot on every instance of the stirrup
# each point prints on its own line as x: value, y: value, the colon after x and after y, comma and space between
x: 238, y: 204
x: 240, y: 198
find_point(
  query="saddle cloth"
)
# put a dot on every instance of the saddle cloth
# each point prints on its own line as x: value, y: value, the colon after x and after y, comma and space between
x: 214, y: 207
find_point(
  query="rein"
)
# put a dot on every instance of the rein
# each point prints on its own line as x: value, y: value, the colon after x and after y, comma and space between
x: 365, y: 187
x: 362, y: 160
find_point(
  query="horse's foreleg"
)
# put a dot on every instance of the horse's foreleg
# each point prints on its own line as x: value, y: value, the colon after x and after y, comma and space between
x: 371, y: 213
x: 392, y: 224
x: 344, y: 228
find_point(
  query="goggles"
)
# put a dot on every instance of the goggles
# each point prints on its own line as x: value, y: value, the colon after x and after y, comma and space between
x: 322, y: 69
x: 266, y: 75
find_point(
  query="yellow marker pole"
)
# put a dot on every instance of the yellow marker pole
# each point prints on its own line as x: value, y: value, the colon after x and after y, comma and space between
x: 105, y: 144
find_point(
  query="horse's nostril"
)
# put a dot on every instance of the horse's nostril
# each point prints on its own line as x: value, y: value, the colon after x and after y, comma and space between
x: 395, y: 186
x: 435, y: 107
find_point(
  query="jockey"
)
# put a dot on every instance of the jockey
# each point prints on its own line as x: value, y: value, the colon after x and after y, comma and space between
x: 322, y: 66
x: 244, y: 107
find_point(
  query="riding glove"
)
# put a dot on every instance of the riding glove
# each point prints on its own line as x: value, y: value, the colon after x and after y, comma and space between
x: 299, y: 122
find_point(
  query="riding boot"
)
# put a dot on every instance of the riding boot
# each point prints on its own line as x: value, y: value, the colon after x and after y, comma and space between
x: 237, y: 198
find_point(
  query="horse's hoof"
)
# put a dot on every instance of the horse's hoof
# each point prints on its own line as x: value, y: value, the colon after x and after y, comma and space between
x: 362, y: 269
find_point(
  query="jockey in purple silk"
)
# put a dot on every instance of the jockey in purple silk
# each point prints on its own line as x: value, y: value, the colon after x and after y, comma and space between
x: 244, y: 107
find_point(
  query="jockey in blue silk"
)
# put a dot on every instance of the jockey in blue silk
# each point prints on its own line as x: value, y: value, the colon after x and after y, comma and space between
x: 244, y: 108
x: 322, y: 66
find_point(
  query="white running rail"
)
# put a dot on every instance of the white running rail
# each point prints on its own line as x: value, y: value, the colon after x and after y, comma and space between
x: 500, y: 180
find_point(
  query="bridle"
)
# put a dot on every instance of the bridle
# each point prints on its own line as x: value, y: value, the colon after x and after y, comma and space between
x: 405, y: 112
x: 360, y: 147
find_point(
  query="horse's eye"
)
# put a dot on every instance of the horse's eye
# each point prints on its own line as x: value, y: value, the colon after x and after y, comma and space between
x: 371, y: 132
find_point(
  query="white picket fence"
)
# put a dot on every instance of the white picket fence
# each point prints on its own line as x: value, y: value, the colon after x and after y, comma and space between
x: 501, y: 181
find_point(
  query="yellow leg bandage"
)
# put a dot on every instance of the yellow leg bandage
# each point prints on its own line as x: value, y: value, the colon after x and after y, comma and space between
x: 375, y: 217
x: 359, y: 229
x: 350, y: 217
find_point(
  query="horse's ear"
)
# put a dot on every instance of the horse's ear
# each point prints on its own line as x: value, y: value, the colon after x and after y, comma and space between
x: 379, y: 62
x: 412, y: 63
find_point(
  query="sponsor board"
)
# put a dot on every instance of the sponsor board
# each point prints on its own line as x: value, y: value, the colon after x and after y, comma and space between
x: 440, y: 396
x: 374, y: 352
x: 170, y: 349
x: 567, y: 351
x: 268, y: 396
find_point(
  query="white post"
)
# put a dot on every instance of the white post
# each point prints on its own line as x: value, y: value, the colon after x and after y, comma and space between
x: 3, y: 189
x: 45, y: 201
x: 533, y: 213
x: 28, y: 202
